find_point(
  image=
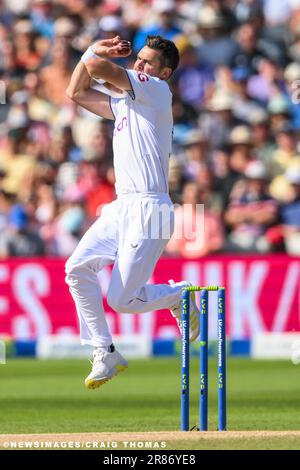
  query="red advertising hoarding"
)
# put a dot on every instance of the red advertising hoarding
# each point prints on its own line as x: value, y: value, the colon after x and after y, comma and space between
x: 262, y: 295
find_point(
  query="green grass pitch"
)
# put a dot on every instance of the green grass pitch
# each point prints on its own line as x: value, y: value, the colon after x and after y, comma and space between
x: 49, y: 397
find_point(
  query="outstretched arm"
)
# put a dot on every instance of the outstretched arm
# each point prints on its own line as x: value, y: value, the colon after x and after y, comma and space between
x: 79, y: 91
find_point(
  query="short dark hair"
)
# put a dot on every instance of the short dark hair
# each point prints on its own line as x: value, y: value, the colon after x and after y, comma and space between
x: 168, y: 50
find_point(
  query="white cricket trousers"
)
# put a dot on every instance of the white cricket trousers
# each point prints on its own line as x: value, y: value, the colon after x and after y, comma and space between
x: 131, y: 233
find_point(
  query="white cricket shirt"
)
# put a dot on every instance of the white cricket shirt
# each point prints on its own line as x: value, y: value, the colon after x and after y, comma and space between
x: 142, y: 135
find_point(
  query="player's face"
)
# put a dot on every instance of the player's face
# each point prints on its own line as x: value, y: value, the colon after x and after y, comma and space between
x: 148, y: 61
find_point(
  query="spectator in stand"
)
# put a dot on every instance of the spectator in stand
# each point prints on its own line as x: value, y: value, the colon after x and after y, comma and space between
x: 46, y: 207
x: 18, y: 165
x: 26, y: 57
x: 262, y: 139
x: 225, y: 176
x: 6, y: 14
x: 195, y: 151
x: 177, y: 178
x: 284, y: 157
x: 279, y: 110
x: 266, y: 82
x: 5, y: 204
x: 270, y: 47
x: 2, y: 176
x: 100, y: 147
x: 40, y: 110
x: 165, y: 26
x: 69, y: 225
x: 219, y: 120
x: 41, y: 15
x: 290, y: 213
x: 292, y: 89
x: 225, y: 8
x: 66, y: 30
x: 251, y: 212
x: 197, y: 231
x: 46, y: 204
x: 277, y: 17
x: 194, y: 80
x: 294, y: 46
x: 287, y: 152
x: 18, y: 239
x: 7, y: 57
x: 97, y: 185
x: 184, y: 115
x: 56, y: 76
x: 111, y: 26
x: 136, y: 13
x: 205, y: 180
x: 278, y: 14
x: 74, y: 153
x: 217, y: 48
x: 188, y: 10
x: 249, y: 52
x: 244, y: 106
x: 240, y: 140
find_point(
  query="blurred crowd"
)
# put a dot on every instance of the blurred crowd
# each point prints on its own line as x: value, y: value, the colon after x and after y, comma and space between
x: 236, y: 146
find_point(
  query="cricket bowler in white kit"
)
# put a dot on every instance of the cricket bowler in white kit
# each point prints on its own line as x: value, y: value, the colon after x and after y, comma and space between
x: 130, y: 233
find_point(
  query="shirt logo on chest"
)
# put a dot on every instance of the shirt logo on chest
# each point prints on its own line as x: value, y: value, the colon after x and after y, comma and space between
x: 143, y: 77
x: 121, y: 125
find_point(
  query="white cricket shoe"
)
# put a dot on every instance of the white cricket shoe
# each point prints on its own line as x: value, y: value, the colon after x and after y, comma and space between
x: 194, y: 313
x: 104, y: 367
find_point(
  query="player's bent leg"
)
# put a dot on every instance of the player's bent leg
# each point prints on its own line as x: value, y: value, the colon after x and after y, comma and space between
x: 107, y: 363
x: 86, y: 292
x: 96, y: 250
x: 120, y: 301
x: 176, y: 311
x: 128, y: 290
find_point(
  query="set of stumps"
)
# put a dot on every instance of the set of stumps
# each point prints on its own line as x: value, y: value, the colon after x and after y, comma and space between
x: 221, y: 357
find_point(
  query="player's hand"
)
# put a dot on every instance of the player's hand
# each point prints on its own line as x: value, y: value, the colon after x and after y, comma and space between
x: 111, y: 48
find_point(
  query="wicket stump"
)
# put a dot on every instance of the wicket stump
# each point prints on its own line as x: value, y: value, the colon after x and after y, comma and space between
x: 185, y: 356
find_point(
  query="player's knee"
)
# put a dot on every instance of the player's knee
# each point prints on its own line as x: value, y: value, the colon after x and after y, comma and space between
x: 113, y: 301
x: 117, y: 302
x: 72, y: 272
x: 70, y: 277
x: 68, y: 271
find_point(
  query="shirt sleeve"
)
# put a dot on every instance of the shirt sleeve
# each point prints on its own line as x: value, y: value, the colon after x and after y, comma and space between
x: 146, y: 89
